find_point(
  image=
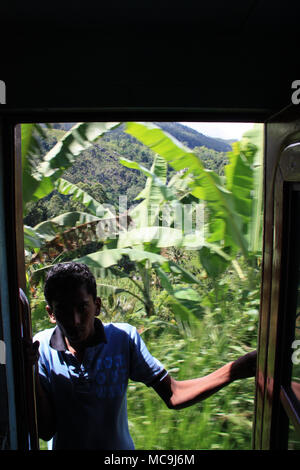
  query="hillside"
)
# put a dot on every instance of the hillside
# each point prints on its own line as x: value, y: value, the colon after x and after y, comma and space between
x: 188, y: 136
x: 100, y: 164
x: 193, y: 138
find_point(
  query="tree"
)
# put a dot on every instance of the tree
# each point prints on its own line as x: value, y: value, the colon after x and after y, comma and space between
x: 228, y: 201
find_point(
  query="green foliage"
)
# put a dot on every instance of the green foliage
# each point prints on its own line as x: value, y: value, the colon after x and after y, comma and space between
x: 50, y: 228
x: 101, y: 164
x: 41, y: 173
x: 229, y: 205
x: 212, y: 159
x: 212, y: 262
x: 67, y: 200
x: 195, y: 309
x: 81, y: 194
x: 227, y: 330
x: 229, y: 202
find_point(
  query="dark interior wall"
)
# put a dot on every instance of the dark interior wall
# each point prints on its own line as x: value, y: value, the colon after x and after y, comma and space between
x: 230, y: 57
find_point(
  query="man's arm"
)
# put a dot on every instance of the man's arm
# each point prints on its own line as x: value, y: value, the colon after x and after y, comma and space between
x: 45, y: 412
x: 181, y: 394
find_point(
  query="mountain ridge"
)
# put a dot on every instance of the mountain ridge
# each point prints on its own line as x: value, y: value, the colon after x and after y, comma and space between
x: 193, y: 138
x: 186, y: 135
x: 100, y: 167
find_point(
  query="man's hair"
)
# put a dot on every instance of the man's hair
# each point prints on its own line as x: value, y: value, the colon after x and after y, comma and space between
x: 67, y: 277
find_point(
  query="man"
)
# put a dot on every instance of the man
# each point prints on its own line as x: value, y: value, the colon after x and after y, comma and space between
x: 84, y: 367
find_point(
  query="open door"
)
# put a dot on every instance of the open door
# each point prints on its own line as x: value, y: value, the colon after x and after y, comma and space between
x: 18, y: 423
x: 277, y: 409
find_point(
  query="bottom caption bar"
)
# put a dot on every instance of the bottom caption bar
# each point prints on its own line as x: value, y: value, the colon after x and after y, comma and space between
x: 151, y: 458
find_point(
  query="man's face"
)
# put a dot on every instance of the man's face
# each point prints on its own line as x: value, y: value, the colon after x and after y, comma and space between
x: 75, y: 312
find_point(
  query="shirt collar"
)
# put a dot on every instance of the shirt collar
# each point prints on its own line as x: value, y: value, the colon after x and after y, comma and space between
x: 57, y: 340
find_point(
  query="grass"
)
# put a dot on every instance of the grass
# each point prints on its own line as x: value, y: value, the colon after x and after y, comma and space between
x: 223, y: 421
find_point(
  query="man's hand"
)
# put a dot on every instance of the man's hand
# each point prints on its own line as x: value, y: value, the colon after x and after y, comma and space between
x: 244, y: 366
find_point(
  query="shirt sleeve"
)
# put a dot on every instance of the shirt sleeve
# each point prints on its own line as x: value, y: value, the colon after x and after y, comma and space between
x: 143, y: 366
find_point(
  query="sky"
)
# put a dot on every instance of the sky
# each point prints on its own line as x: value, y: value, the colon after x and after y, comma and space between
x: 223, y: 130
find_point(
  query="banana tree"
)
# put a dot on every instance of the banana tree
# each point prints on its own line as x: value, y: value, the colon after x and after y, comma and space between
x: 49, y: 239
x: 41, y: 173
x: 142, y: 243
x: 231, y: 201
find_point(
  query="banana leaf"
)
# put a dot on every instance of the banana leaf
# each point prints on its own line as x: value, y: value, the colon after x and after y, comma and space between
x: 107, y: 258
x: 49, y: 228
x: 240, y: 181
x: 159, y: 236
x: 152, y: 192
x: 206, y: 186
x: 38, y: 180
x: 31, y: 156
x: 32, y: 239
x: 255, y: 136
x: 105, y: 290
x: 94, y: 207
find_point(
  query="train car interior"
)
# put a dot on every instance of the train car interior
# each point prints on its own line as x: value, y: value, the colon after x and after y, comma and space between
x: 148, y: 61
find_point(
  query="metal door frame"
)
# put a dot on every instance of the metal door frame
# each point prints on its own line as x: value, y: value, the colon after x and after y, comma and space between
x: 282, y: 133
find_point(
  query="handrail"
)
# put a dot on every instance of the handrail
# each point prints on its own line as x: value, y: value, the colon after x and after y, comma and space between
x: 29, y: 375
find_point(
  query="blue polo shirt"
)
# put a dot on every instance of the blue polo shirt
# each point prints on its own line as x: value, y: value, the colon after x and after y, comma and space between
x: 89, y: 398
